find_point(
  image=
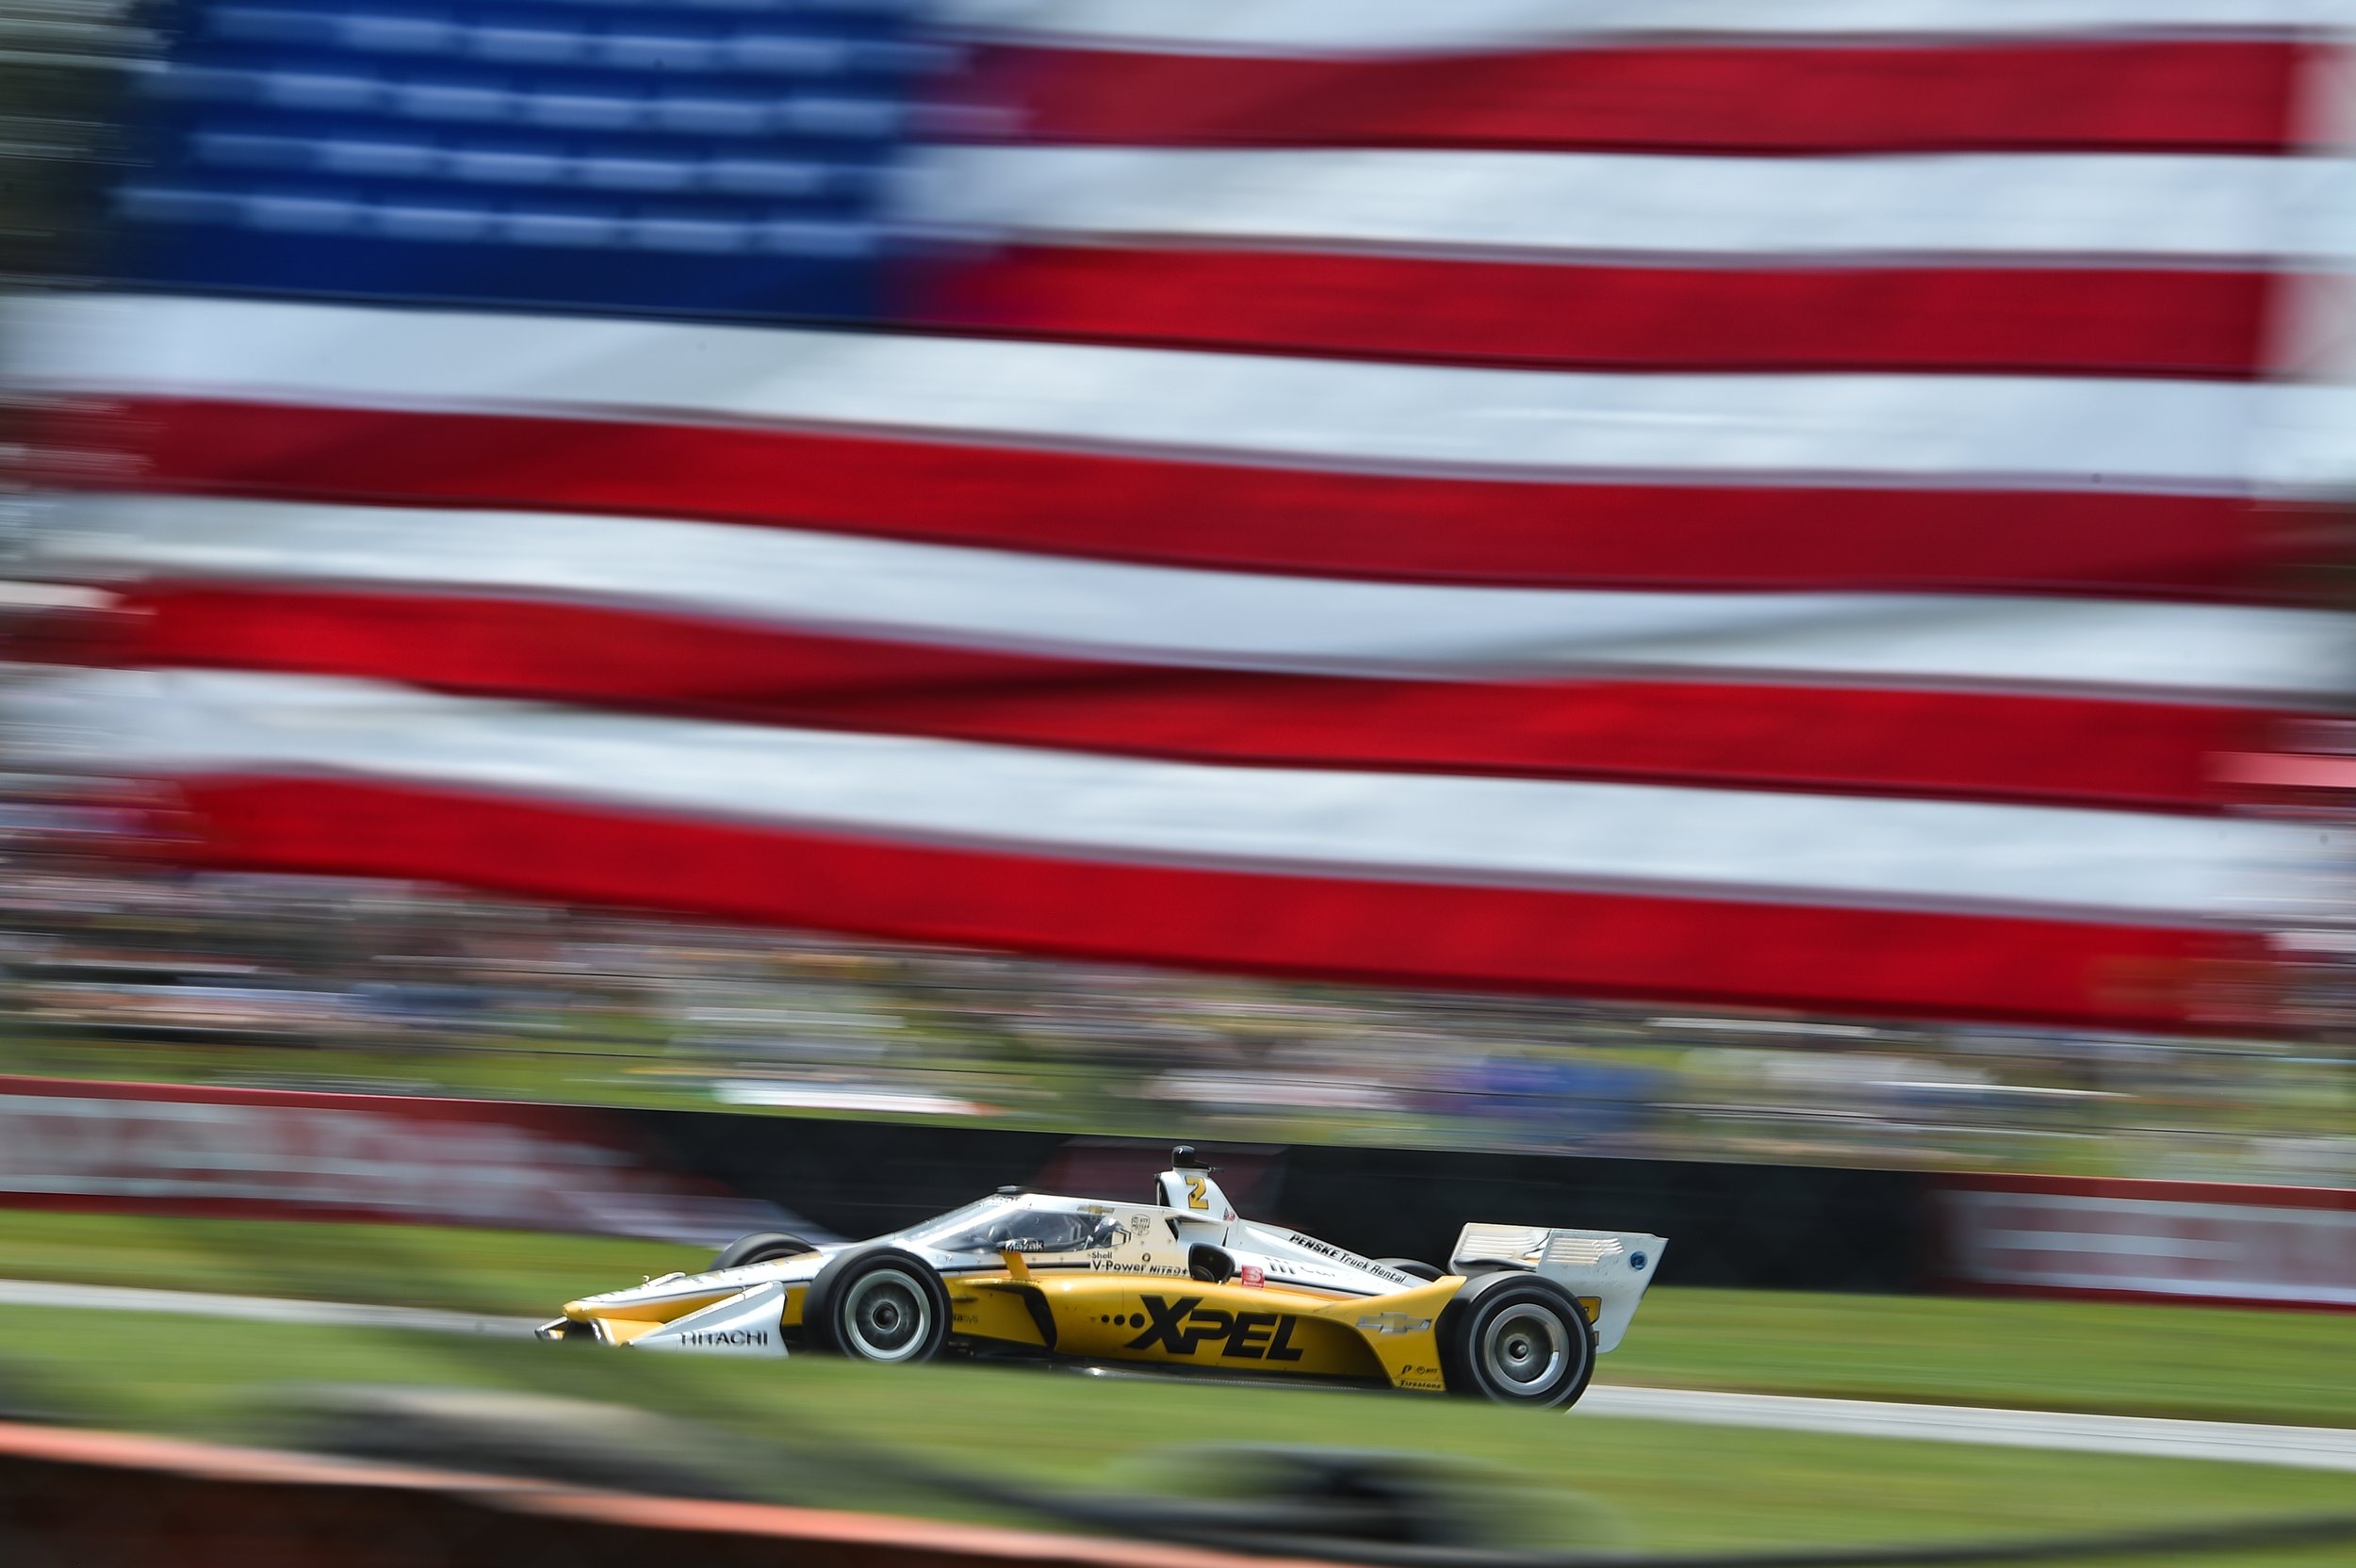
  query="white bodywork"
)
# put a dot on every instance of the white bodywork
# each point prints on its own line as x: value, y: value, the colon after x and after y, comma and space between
x: 746, y: 1324
x: 1156, y: 1237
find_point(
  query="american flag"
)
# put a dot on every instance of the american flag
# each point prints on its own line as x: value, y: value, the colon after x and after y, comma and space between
x: 1777, y: 502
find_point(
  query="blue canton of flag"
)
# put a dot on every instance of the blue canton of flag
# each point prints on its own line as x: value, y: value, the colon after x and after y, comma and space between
x: 711, y: 158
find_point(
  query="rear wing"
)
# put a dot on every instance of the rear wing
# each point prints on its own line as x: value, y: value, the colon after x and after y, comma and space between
x: 1608, y: 1270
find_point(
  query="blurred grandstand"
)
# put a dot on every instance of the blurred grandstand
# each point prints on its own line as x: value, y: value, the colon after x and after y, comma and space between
x: 118, y: 967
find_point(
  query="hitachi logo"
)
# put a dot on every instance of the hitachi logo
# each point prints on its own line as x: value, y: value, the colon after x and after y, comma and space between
x: 726, y: 1336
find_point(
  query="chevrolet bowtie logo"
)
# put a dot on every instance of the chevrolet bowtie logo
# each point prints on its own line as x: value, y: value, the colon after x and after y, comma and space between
x: 1392, y: 1323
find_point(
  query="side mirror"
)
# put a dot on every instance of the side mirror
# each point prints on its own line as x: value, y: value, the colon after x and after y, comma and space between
x: 1209, y: 1264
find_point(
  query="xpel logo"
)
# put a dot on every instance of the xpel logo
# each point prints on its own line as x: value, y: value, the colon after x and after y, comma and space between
x: 1183, y: 1325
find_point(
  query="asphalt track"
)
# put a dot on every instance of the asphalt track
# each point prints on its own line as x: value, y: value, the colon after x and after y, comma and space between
x: 257, y: 1309
x: 2299, y: 1447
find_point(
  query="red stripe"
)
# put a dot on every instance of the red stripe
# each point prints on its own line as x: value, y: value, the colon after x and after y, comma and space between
x: 2178, y: 96
x: 1833, y: 959
x: 1182, y: 513
x: 2091, y: 321
x: 2128, y: 1189
x: 1961, y: 744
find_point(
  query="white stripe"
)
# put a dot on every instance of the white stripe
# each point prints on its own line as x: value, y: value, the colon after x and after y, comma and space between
x: 2065, y: 432
x: 2079, y: 1243
x: 1394, y: 826
x: 1090, y: 609
x: 1354, y: 27
x: 1973, y: 206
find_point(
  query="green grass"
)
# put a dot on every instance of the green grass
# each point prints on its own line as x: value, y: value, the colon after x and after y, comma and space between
x: 2205, y: 1362
x: 592, y: 1065
x: 2195, y: 1362
x: 1600, y: 1482
x: 521, y: 1272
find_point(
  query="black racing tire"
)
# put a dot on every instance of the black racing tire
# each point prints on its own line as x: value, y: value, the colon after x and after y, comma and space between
x: 1411, y: 1266
x: 877, y: 1303
x: 760, y: 1246
x: 1517, y: 1339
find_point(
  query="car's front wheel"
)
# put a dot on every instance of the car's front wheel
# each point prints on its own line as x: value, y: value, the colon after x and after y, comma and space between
x: 878, y: 1304
x: 1518, y: 1340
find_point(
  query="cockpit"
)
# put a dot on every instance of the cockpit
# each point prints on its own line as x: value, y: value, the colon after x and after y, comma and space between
x: 1005, y: 1225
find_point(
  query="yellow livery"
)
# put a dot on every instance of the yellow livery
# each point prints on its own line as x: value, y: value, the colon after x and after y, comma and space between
x: 1177, y: 1282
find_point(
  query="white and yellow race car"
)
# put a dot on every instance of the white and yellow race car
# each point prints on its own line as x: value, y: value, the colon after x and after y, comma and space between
x: 1177, y: 1283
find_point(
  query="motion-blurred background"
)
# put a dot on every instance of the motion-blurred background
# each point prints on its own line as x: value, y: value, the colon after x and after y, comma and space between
x: 636, y: 620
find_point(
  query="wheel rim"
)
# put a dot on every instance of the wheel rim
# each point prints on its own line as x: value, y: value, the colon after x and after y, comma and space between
x: 1524, y: 1350
x: 887, y: 1316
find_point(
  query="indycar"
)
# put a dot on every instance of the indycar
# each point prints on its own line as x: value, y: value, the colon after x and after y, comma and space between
x: 1176, y: 1284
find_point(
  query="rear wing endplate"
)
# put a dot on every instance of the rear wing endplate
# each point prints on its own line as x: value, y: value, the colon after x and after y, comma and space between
x: 1608, y: 1270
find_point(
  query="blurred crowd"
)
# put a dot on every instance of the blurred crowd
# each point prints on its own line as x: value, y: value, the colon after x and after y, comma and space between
x: 115, y: 965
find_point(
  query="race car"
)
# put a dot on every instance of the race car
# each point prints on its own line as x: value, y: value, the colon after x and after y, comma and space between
x: 1177, y: 1283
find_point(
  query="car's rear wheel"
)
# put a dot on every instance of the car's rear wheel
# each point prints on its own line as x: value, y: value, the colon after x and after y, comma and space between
x: 1517, y: 1339
x: 877, y: 1304
x: 760, y: 1246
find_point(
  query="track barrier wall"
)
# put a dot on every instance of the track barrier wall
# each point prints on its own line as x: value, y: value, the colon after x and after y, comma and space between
x: 705, y: 1176
x: 1816, y: 1227
x: 2185, y: 1241
x: 267, y: 1153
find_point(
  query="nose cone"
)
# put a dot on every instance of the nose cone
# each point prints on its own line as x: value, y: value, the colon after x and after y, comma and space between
x: 578, y: 1311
